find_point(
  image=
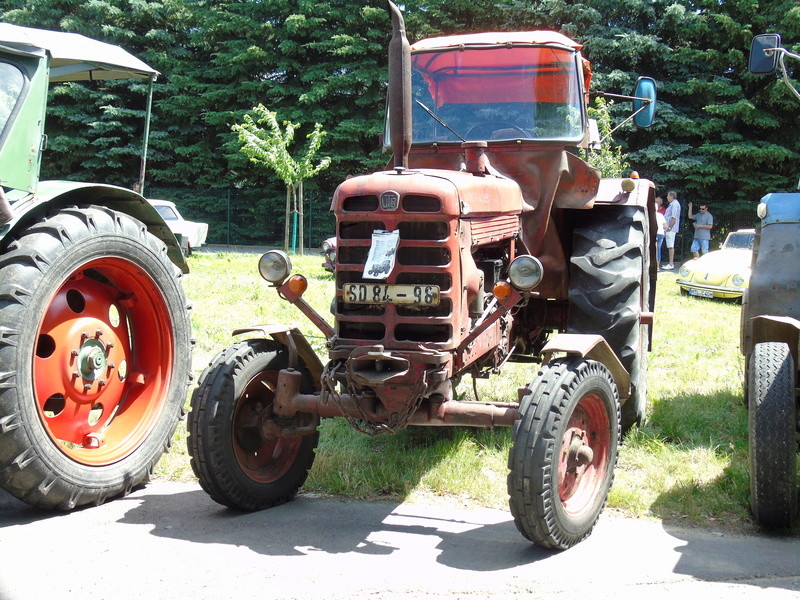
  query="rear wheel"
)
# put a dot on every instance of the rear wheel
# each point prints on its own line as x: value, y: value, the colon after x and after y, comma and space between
x: 773, y: 435
x: 94, y: 357
x: 609, y: 287
x: 564, y: 452
x: 236, y: 464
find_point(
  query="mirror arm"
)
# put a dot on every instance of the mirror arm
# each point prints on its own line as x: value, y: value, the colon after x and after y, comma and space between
x: 786, y: 80
x: 610, y: 95
x: 646, y: 103
x: 608, y: 135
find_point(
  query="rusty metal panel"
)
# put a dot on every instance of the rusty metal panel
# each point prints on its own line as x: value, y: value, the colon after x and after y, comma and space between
x: 493, y: 229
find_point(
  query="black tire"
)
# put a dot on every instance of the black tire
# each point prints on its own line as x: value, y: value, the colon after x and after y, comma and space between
x: 84, y: 418
x: 608, y: 279
x: 224, y: 442
x: 773, y: 435
x: 551, y: 508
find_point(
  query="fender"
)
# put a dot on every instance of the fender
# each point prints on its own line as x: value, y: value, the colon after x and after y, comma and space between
x: 295, y: 342
x: 769, y: 328
x: 53, y: 195
x: 591, y: 346
x: 625, y: 191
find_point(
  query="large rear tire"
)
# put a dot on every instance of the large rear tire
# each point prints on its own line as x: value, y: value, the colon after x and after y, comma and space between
x: 94, y: 357
x: 564, y: 452
x: 609, y: 284
x: 773, y: 435
x: 235, y: 464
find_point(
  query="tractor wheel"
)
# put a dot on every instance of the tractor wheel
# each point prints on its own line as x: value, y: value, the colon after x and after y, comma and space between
x: 564, y: 452
x: 94, y: 357
x: 773, y: 435
x: 237, y: 466
x: 608, y: 279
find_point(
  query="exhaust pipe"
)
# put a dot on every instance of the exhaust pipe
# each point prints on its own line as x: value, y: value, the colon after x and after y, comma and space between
x: 399, y: 89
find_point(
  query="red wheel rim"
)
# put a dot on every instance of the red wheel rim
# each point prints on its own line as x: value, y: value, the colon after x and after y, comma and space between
x: 103, y: 361
x: 583, y: 459
x: 264, y: 461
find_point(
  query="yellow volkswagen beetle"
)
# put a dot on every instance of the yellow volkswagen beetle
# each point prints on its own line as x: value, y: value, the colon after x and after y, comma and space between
x: 723, y: 273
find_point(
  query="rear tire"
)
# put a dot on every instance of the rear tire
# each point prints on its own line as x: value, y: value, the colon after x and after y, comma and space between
x: 236, y: 466
x: 94, y: 357
x: 564, y: 452
x: 608, y: 279
x: 773, y: 435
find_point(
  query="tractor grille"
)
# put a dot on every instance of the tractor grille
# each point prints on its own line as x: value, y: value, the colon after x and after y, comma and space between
x: 427, y: 255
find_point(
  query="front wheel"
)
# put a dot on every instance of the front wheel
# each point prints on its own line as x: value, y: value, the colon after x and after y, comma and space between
x: 773, y: 435
x: 564, y: 452
x: 95, y: 348
x: 237, y: 465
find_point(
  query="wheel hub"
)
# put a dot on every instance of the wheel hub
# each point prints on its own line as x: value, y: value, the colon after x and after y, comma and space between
x: 92, y: 359
x: 579, y: 453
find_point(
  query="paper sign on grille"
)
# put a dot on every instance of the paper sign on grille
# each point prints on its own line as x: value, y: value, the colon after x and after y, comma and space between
x: 382, y: 254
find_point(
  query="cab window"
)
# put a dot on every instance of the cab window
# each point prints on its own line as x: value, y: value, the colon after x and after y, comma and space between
x: 11, y: 83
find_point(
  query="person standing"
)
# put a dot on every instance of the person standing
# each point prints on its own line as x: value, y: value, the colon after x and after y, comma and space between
x: 660, y: 224
x: 703, y: 222
x: 672, y: 216
x: 660, y: 205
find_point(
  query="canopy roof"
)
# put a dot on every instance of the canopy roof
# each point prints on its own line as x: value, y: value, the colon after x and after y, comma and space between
x: 495, y: 38
x: 75, y: 57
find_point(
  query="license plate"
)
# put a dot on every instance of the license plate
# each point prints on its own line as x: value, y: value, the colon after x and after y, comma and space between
x: 383, y: 293
x: 701, y: 293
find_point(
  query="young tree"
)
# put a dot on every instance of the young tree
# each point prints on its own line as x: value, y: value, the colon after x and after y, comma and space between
x: 608, y: 158
x: 264, y: 143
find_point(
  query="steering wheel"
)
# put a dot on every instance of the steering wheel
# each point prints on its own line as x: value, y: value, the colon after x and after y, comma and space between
x: 492, y: 127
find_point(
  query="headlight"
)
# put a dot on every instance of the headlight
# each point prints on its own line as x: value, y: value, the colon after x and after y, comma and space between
x: 275, y: 266
x: 327, y: 246
x: 525, y: 272
x: 761, y: 210
x: 738, y: 280
x: 683, y: 272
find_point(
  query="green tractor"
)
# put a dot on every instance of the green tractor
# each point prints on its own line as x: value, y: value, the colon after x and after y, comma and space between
x: 95, y: 336
x: 770, y: 338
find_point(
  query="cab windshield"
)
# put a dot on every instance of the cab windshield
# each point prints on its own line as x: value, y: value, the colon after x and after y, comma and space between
x: 496, y: 93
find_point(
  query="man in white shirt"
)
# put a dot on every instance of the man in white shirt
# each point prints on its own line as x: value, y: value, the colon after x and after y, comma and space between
x: 673, y: 219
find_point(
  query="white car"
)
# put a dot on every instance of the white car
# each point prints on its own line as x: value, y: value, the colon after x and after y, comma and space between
x: 194, y: 234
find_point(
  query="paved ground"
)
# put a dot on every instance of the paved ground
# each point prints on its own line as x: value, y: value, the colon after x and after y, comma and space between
x: 170, y: 541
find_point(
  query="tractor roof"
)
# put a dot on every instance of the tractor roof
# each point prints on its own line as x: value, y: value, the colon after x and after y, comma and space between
x: 74, y: 57
x: 496, y: 38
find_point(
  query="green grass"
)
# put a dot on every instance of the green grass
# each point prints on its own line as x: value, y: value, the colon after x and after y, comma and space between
x: 688, y: 463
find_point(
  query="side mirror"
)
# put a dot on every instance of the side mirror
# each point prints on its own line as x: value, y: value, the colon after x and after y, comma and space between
x: 644, y: 103
x: 763, y: 59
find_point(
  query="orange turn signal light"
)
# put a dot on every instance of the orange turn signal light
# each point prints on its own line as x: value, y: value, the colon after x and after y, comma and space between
x: 502, y: 290
x: 297, y: 284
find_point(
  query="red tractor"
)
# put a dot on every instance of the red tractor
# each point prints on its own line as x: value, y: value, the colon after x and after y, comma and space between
x: 486, y: 241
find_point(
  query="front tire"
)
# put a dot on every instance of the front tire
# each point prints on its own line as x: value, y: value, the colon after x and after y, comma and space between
x: 235, y: 464
x: 773, y: 435
x: 564, y: 452
x: 94, y: 357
